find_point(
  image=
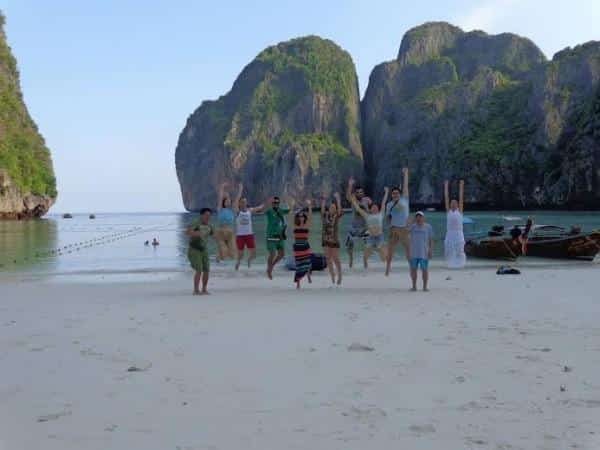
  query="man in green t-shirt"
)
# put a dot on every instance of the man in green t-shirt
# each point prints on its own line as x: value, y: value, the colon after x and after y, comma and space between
x: 198, y: 232
x: 276, y: 234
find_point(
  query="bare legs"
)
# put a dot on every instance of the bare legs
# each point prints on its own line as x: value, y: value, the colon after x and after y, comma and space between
x: 198, y: 276
x: 391, y: 250
x: 413, y: 277
x: 225, y: 243
x: 334, y: 264
x: 274, y: 258
x: 240, y: 256
x: 381, y: 251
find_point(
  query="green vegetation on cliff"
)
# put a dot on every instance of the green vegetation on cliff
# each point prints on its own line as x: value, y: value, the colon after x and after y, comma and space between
x: 327, y: 68
x: 290, y: 123
x: 23, y: 153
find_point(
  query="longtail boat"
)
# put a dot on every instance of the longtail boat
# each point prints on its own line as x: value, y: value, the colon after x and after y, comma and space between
x: 545, y: 241
x: 579, y: 246
x: 490, y: 248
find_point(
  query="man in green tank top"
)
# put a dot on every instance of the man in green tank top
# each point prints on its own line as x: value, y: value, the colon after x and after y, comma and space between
x: 276, y: 234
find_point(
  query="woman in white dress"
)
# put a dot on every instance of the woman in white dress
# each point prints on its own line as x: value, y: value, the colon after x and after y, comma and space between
x: 454, y: 244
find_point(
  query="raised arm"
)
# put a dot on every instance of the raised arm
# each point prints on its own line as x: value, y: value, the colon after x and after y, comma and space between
x: 291, y: 203
x: 351, y: 182
x: 405, y: 192
x: 461, y: 195
x: 446, y: 195
x: 238, y: 197
x: 386, y: 192
x: 257, y: 209
x: 338, y: 200
x: 221, y: 194
x: 309, y: 217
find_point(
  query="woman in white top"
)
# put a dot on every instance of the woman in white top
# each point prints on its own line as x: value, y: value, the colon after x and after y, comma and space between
x: 374, y: 219
x: 454, y: 244
x: 244, y: 234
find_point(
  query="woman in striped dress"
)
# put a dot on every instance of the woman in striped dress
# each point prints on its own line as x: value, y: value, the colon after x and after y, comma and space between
x: 302, y: 251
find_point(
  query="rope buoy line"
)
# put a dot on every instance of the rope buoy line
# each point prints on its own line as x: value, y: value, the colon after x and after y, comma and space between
x: 89, y: 243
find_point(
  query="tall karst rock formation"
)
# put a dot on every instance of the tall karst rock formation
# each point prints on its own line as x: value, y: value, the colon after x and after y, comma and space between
x: 27, y: 183
x: 289, y: 126
x: 523, y: 131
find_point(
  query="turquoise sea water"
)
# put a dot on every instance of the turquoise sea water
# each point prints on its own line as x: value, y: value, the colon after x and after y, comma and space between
x: 115, y: 242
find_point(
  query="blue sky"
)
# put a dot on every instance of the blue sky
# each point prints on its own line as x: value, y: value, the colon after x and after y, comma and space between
x: 111, y: 84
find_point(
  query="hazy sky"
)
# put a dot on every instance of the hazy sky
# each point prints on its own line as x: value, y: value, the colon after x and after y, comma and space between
x: 111, y: 83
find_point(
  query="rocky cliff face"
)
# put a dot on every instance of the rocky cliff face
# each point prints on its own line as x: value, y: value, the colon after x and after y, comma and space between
x: 27, y: 184
x: 522, y: 131
x: 289, y: 126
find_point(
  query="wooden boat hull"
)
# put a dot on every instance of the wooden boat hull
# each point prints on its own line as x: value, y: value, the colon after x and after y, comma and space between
x: 490, y: 248
x: 563, y: 247
x: 595, y: 235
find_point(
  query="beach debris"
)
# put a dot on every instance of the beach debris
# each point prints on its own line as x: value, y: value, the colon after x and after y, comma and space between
x: 427, y: 428
x: 367, y: 415
x: 111, y: 427
x: 567, y: 369
x: 507, y: 270
x: 448, y: 278
x: 563, y: 388
x: 312, y: 349
x: 53, y: 416
x: 460, y: 379
x: 357, y: 347
x: 139, y: 369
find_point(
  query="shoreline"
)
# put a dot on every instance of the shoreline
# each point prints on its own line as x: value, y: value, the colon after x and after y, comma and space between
x: 226, y: 270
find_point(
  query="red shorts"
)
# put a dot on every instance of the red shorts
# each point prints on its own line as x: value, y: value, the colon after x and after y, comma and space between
x: 245, y: 241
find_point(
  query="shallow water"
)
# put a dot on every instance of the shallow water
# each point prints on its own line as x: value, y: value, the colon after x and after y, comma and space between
x: 115, y: 242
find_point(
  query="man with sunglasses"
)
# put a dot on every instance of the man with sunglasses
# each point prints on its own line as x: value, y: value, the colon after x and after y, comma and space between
x: 276, y: 234
x: 358, y: 230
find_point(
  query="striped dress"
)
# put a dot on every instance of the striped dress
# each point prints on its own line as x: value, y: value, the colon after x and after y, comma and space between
x: 302, y: 253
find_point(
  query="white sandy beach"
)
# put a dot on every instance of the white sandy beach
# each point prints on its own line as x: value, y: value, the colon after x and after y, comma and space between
x: 477, y: 363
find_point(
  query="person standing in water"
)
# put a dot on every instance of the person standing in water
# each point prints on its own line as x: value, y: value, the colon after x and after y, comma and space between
x: 374, y: 221
x: 198, y: 232
x: 330, y: 219
x: 225, y: 218
x: 244, y: 233
x: 397, y: 211
x: 358, y: 229
x: 302, y: 250
x: 454, y: 243
x: 276, y: 234
x: 421, y: 250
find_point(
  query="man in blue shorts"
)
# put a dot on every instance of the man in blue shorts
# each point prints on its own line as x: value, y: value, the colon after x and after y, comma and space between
x: 421, y: 249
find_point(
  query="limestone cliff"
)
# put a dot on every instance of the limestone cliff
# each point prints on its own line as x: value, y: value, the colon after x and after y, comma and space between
x: 27, y: 183
x: 289, y: 126
x: 520, y: 129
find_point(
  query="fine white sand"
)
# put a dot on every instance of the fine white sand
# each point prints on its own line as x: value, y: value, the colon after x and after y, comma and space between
x: 477, y: 363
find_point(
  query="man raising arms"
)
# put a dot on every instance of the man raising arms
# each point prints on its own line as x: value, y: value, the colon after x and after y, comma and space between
x: 397, y: 211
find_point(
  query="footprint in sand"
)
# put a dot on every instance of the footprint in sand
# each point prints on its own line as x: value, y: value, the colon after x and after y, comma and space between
x: 427, y: 428
x: 53, y: 416
x: 475, y: 441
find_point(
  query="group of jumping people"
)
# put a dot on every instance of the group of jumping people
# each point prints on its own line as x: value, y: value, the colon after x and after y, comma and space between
x: 234, y: 232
